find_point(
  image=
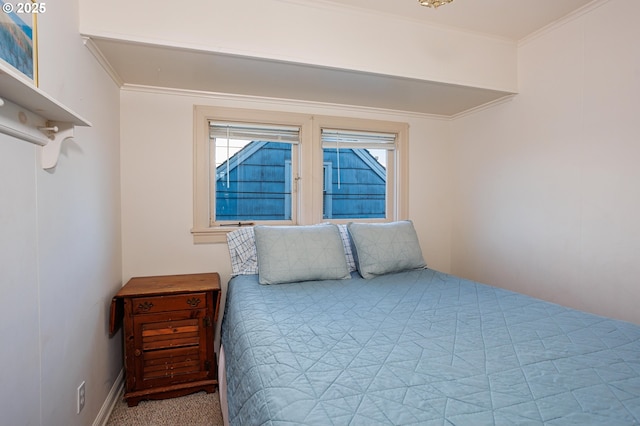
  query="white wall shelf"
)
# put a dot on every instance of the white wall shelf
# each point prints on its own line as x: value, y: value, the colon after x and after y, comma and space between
x: 28, y: 113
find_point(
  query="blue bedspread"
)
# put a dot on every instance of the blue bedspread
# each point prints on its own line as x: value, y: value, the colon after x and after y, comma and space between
x: 422, y: 347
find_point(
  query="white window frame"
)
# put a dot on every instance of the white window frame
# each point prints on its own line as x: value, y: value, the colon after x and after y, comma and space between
x: 307, y: 196
x: 327, y: 170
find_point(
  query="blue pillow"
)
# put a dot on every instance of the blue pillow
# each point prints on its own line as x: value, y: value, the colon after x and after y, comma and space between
x: 299, y: 253
x: 382, y: 248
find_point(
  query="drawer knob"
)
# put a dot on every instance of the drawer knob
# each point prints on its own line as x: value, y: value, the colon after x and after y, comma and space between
x: 146, y: 306
x: 137, y: 352
x: 193, y: 302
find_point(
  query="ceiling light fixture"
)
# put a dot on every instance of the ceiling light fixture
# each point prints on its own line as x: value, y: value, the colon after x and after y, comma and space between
x: 434, y: 3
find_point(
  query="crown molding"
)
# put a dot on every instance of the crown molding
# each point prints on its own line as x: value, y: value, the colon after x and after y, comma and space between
x: 562, y: 21
x: 277, y: 101
x: 488, y: 105
x: 97, y: 53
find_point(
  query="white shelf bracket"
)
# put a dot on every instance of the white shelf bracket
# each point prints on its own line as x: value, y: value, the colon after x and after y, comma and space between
x: 28, y: 113
x: 57, y: 132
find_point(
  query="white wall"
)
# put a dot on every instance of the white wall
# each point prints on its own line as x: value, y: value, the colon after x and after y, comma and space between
x: 60, y: 257
x: 157, y: 181
x: 319, y: 34
x: 19, y: 319
x: 546, y: 194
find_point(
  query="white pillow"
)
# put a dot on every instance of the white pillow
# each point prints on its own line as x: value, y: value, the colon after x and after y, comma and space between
x: 346, y: 243
x: 300, y: 253
x: 242, y: 250
x: 381, y: 248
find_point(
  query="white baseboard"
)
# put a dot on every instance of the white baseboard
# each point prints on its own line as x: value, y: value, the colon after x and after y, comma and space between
x: 110, y: 402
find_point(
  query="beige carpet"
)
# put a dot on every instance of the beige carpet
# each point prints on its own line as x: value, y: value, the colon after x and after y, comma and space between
x: 198, y: 409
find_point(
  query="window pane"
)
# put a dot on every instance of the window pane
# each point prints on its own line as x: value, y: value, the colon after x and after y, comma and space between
x: 355, y: 183
x: 253, y: 180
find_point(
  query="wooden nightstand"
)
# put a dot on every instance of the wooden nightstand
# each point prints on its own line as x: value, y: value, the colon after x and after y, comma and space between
x: 169, y: 328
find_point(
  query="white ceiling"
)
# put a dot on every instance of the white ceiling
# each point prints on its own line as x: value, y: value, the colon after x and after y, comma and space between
x: 512, y: 19
x: 139, y: 64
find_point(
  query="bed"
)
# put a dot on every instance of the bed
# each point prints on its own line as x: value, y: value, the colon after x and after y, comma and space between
x: 402, y: 344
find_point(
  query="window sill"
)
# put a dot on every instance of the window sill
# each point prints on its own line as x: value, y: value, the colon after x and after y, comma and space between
x: 211, y: 235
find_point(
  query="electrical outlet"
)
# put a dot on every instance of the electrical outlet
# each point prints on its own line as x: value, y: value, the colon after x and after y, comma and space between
x: 82, y: 397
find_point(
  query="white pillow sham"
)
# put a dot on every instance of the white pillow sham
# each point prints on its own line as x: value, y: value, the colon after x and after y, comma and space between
x: 242, y: 250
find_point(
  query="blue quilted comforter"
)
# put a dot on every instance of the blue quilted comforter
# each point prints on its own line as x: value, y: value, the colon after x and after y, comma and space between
x: 422, y: 347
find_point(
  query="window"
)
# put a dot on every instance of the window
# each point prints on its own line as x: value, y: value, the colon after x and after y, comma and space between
x: 355, y: 165
x: 254, y: 172
x: 254, y: 167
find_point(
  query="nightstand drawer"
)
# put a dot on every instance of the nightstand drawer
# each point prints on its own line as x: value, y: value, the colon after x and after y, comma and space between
x: 152, y: 304
x: 171, y: 363
x: 169, y: 334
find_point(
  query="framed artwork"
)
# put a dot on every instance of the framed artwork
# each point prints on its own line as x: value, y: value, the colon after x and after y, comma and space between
x: 18, y: 36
